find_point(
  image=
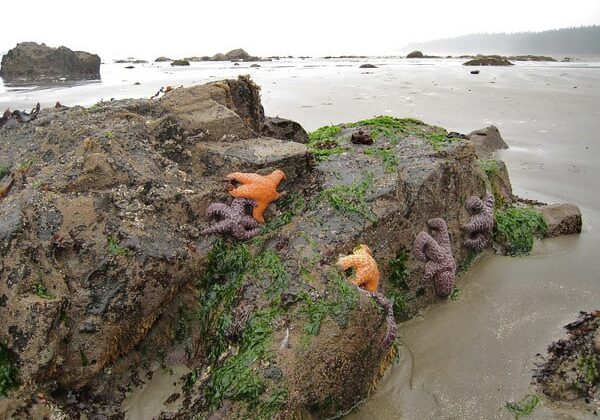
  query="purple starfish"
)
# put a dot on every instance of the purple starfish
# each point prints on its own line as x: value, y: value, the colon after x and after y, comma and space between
x: 386, y: 304
x: 435, y: 250
x: 479, y: 228
x: 232, y: 219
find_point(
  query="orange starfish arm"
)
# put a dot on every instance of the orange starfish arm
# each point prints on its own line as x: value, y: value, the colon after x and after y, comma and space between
x: 259, y: 211
x: 245, y: 191
x: 245, y: 178
x: 349, y: 261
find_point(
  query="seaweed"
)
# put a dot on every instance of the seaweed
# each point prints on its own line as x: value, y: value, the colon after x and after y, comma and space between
x: 322, y: 143
x: 236, y: 361
x: 9, y: 373
x: 349, y: 199
x: 389, y: 159
x: 524, y: 407
x: 40, y: 290
x: 114, y: 248
x: 515, y: 228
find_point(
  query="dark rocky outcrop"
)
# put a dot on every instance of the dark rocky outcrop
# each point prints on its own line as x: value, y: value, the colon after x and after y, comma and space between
x: 30, y: 62
x: 570, y: 370
x: 367, y: 66
x: 162, y: 59
x: 180, y: 63
x: 415, y: 54
x: 488, y: 60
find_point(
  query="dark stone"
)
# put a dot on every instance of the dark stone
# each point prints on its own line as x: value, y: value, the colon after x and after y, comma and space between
x: 30, y: 61
x: 284, y: 129
x: 368, y: 66
x: 455, y: 135
x: 361, y: 137
x: 474, y: 71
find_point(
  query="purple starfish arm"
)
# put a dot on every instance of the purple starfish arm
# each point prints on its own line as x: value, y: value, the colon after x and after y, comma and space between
x: 238, y: 205
x: 220, y: 227
x: 479, y: 228
x: 436, y: 251
x: 218, y: 210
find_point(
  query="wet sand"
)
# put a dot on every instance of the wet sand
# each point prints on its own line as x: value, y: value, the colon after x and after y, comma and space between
x: 461, y: 359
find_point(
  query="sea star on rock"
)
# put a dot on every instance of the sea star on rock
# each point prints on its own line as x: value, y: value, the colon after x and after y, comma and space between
x: 390, y: 319
x: 260, y: 188
x: 367, y: 275
x: 232, y: 219
x: 435, y: 250
x: 479, y: 228
x: 366, y: 272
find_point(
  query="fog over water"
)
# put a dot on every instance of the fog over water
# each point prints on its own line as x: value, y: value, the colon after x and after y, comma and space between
x: 178, y: 28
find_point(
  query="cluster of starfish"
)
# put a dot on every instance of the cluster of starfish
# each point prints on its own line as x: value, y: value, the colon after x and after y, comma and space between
x: 248, y: 189
x: 366, y: 278
x: 479, y: 228
x: 434, y: 249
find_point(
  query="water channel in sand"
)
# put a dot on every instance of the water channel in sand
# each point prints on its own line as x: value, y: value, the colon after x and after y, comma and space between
x: 462, y: 359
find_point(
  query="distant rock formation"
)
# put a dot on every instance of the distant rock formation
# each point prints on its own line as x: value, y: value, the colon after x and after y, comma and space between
x: 162, y: 59
x: 530, y: 58
x: 414, y: 54
x: 180, y: 63
x: 29, y: 62
x: 235, y: 55
x: 488, y: 60
x: 368, y: 66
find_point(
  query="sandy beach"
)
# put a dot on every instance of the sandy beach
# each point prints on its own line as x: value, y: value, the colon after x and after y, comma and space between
x: 462, y: 359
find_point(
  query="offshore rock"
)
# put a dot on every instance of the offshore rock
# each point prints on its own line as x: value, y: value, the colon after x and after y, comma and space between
x: 29, y: 62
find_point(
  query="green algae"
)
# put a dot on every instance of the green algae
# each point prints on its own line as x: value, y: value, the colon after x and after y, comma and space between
x: 516, y: 227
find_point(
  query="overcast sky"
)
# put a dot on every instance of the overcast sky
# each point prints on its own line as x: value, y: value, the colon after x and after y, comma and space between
x: 177, y: 28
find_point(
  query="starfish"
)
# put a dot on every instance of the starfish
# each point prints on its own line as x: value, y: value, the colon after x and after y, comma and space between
x: 390, y: 319
x: 367, y: 276
x: 435, y: 250
x: 232, y: 219
x: 479, y: 228
x: 260, y: 188
x: 366, y: 272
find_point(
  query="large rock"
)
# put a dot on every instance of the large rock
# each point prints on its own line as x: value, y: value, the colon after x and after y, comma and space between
x: 284, y: 129
x: 562, y: 219
x: 487, y: 140
x: 30, y: 61
x: 106, y: 283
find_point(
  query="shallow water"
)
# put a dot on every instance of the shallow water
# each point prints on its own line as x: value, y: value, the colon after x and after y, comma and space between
x: 461, y: 359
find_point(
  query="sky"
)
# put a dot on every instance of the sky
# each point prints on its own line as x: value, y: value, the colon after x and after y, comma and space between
x: 177, y: 28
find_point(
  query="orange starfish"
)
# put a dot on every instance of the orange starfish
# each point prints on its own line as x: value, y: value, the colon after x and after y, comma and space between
x: 260, y: 188
x: 367, y: 273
